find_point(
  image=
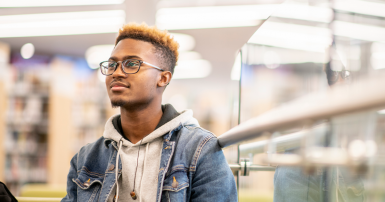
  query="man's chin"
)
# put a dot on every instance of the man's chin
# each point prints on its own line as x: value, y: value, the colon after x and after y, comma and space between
x: 117, y: 103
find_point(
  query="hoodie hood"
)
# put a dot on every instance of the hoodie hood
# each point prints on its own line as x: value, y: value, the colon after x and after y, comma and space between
x: 185, y: 118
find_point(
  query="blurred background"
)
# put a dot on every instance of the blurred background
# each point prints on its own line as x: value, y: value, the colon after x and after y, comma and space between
x: 238, y: 59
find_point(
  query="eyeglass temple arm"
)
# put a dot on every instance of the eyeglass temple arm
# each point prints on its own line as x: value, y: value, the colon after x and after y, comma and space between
x: 154, y: 66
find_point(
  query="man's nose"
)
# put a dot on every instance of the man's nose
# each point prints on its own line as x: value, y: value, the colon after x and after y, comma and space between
x: 119, y: 71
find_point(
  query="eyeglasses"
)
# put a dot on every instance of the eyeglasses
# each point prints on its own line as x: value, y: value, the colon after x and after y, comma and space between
x: 129, y: 66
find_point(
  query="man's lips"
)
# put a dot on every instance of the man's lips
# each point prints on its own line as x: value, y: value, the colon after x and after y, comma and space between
x: 118, y: 86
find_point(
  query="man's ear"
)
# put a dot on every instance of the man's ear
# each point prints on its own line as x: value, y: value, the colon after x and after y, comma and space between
x: 165, y: 78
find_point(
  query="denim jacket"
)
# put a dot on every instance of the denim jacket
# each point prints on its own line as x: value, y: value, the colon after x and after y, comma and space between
x: 190, y: 154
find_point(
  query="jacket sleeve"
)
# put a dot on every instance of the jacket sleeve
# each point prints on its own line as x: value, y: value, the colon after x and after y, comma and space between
x: 213, y: 179
x: 71, y: 186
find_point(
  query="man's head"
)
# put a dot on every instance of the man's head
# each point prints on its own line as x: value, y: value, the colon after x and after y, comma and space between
x: 151, y: 46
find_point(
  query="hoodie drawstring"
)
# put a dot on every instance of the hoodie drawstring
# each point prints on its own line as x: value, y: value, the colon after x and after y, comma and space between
x: 133, y: 194
x: 143, y: 169
x: 116, y: 171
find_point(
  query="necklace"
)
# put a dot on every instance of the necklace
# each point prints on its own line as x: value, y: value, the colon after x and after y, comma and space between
x: 133, y: 194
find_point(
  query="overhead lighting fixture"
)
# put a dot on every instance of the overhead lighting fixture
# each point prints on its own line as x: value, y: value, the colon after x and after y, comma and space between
x: 44, y: 3
x: 292, y: 36
x: 304, y: 12
x: 27, y: 50
x: 310, y: 38
x: 213, y: 16
x: 68, y: 23
x: 361, y: 7
x: 192, y: 69
x: 97, y: 54
x: 186, y: 42
x: 359, y: 31
x: 236, y: 16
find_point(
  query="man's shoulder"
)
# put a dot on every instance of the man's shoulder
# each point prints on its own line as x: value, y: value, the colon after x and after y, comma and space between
x: 97, y: 149
x: 197, y: 133
x: 196, y: 137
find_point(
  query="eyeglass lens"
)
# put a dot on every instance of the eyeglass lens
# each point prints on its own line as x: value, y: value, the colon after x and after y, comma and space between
x: 128, y: 66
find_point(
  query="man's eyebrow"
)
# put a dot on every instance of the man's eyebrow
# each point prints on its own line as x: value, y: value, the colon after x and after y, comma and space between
x: 125, y: 57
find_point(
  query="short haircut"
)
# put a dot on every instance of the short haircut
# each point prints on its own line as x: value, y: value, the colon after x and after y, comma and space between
x: 165, y: 46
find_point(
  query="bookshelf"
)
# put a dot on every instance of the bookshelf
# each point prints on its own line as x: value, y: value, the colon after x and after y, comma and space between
x: 26, y: 122
x: 49, y: 109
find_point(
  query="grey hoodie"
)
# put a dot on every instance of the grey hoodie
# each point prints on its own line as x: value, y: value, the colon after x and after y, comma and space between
x: 148, y: 161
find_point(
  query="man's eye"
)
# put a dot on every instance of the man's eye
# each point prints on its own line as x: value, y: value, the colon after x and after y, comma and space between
x: 132, y: 64
x: 111, y: 65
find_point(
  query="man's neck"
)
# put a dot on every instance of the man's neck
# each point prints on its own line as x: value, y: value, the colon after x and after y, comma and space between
x: 139, y: 123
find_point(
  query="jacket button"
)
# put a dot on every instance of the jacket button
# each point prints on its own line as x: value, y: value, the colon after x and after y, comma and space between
x: 174, y: 183
x: 86, y: 184
x: 111, y: 167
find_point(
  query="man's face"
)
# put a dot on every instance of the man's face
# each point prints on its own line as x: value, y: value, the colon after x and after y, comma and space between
x: 133, y: 90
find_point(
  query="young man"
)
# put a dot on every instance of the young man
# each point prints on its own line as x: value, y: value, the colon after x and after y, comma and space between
x: 150, y: 152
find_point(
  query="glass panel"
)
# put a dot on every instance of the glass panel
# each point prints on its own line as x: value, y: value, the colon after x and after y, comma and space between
x: 308, y: 47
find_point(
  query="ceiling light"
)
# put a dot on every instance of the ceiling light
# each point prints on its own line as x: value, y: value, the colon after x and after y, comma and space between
x: 68, y: 23
x: 42, y: 3
x: 97, y: 54
x: 27, y: 50
x: 236, y: 16
x: 213, y: 16
x: 310, y: 38
x: 186, y: 42
x: 359, y: 31
x: 304, y: 12
x: 189, y: 69
x: 292, y: 36
x: 362, y: 7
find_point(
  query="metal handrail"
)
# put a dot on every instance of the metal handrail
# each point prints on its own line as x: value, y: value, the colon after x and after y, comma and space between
x: 282, y: 143
x: 237, y: 167
x: 339, y: 100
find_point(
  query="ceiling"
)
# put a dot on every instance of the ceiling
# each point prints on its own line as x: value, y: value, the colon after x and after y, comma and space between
x: 219, y: 45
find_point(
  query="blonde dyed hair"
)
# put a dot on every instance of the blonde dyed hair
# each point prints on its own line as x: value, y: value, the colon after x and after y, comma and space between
x: 166, y: 47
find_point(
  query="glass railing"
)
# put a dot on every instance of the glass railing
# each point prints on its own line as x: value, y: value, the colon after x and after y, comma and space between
x: 311, y: 124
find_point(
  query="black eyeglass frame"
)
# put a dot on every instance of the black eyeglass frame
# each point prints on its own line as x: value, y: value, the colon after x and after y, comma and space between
x: 123, y: 62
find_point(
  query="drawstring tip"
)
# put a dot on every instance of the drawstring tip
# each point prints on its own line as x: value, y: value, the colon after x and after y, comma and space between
x: 133, y: 195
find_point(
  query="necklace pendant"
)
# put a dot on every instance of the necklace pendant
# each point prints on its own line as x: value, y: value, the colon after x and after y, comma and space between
x: 133, y: 195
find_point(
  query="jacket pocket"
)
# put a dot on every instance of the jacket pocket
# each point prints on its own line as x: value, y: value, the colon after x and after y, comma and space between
x: 175, y: 185
x: 89, y: 185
